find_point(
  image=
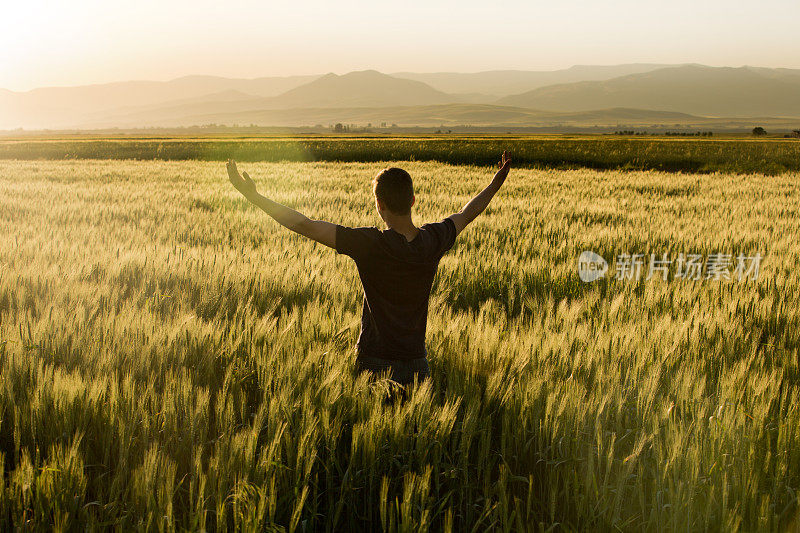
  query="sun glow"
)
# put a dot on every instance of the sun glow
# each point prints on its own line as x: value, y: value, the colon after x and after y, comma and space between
x: 69, y: 43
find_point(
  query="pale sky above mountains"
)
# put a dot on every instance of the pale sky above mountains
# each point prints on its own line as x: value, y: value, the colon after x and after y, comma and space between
x: 58, y: 43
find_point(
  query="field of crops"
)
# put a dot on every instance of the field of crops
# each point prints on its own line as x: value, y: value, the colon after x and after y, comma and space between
x: 732, y: 154
x: 171, y: 358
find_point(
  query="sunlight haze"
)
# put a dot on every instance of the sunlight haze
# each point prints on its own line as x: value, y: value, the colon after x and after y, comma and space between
x: 73, y: 43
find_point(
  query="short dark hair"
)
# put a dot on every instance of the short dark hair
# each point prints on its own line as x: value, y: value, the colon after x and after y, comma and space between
x: 393, y: 187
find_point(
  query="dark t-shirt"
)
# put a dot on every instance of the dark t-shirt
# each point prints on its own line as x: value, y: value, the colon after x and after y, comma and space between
x: 397, y: 276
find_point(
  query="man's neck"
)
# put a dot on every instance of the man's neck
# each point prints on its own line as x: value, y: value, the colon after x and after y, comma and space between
x: 403, y: 225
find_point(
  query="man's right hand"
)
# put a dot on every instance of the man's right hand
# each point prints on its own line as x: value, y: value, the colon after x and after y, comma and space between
x: 476, y: 206
x: 504, y: 166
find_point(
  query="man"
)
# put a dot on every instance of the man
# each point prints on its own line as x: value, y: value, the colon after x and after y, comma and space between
x: 396, y: 265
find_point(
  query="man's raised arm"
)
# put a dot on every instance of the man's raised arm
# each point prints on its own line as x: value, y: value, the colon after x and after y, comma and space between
x: 318, y: 230
x: 476, y: 206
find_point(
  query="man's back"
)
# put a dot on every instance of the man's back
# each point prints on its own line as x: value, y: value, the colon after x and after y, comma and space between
x: 397, y: 275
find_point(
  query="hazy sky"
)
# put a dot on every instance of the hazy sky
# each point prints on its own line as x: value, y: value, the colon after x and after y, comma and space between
x: 44, y: 43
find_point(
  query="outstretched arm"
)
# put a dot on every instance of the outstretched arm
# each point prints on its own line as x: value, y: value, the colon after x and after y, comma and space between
x: 318, y: 230
x: 476, y: 206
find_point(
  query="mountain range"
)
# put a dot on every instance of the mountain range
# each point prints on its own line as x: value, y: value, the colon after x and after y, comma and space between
x: 636, y: 94
x: 695, y: 89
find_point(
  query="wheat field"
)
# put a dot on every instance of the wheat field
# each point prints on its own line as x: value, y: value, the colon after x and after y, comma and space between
x: 172, y: 359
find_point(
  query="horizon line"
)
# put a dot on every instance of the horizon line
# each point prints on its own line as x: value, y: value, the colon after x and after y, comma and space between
x: 172, y: 79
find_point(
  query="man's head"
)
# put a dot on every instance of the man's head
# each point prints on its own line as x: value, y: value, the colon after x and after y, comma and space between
x: 394, y: 192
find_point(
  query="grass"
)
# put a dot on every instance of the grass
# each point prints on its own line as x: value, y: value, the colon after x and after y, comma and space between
x: 172, y: 359
x: 734, y: 155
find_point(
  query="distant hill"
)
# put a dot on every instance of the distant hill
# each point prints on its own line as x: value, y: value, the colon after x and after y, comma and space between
x: 694, y: 89
x: 507, y: 82
x: 367, y: 88
x: 75, y: 106
x: 356, y: 89
x: 58, y: 106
